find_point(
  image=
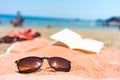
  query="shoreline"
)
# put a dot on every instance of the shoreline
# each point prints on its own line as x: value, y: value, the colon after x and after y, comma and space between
x: 110, y: 38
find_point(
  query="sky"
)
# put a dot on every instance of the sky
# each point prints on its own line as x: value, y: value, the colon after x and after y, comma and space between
x: 83, y: 9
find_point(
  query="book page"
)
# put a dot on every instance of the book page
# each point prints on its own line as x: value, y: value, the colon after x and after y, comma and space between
x: 58, y: 43
x: 89, y: 45
x: 72, y: 40
x: 66, y: 36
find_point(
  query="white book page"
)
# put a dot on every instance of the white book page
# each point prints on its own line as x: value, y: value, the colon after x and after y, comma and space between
x: 58, y: 43
x: 66, y: 36
x: 87, y: 44
x: 75, y: 41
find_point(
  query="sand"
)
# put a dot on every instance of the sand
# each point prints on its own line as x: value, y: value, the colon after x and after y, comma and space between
x: 109, y: 37
x: 103, y: 66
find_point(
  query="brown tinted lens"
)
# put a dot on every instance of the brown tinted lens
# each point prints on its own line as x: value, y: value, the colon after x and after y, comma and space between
x: 29, y: 64
x: 59, y: 64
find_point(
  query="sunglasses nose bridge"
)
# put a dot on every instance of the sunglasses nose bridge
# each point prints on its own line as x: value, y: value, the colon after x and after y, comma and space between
x: 45, y: 63
x: 45, y: 58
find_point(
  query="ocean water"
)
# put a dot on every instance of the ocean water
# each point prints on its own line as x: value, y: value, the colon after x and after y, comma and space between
x: 30, y: 21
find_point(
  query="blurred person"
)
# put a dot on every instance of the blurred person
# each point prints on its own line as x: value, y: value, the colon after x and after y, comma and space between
x: 18, y: 21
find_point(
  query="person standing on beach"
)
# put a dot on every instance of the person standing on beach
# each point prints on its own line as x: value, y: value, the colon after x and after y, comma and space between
x: 18, y: 21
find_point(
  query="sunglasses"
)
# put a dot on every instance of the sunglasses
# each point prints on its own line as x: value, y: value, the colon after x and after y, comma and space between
x: 31, y: 64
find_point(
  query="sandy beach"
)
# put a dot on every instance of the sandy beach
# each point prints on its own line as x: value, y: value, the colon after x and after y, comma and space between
x: 60, y: 40
x: 110, y: 38
x: 102, y: 66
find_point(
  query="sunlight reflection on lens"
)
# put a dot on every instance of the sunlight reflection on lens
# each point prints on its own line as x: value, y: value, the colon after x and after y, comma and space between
x: 54, y: 64
x: 38, y: 64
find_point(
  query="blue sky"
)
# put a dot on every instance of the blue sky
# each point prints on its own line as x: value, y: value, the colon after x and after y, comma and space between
x: 83, y: 9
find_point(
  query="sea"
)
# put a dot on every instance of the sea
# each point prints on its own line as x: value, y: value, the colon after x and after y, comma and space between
x: 52, y: 22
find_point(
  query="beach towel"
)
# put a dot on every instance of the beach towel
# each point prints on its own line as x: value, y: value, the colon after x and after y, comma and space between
x: 103, y: 66
x: 26, y: 34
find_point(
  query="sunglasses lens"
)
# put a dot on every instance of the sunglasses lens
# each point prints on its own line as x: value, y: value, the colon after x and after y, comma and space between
x: 29, y: 64
x: 59, y: 64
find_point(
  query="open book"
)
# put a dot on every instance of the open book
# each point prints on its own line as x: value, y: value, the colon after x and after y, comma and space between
x: 72, y: 40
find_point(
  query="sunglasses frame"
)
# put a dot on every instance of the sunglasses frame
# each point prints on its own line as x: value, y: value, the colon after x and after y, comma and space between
x: 42, y: 60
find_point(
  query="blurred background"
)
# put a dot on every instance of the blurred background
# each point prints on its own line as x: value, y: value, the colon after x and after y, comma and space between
x: 82, y: 14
